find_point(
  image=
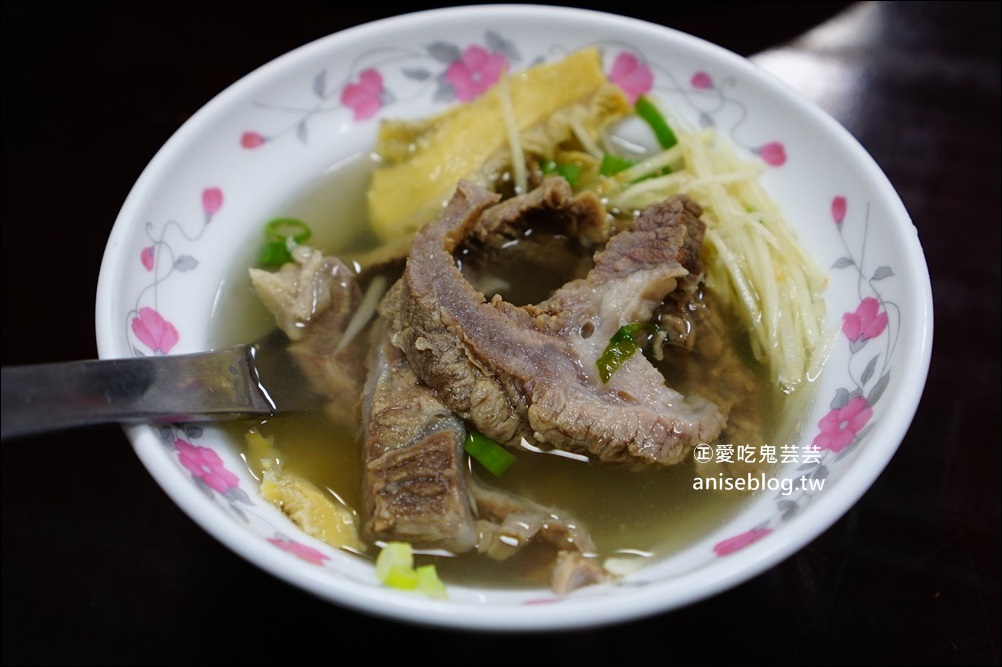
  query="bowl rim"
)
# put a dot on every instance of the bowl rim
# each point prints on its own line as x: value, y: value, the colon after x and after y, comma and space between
x: 717, y: 576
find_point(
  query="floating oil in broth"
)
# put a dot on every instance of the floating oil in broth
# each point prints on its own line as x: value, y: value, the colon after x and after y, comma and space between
x: 650, y: 512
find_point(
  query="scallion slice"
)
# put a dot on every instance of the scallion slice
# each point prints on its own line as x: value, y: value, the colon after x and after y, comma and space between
x: 395, y: 568
x: 280, y: 229
x: 490, y: 454
x: 570, y: 171
x: 621, y: 347
x: 277, y: 236
x: 429, y: 583
x: 653, y: 117
x: 613, y: 164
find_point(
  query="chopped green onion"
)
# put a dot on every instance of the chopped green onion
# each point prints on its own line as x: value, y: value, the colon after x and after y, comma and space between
x: 621, y: 347
x: 652, y: 115
x: 277, y: 236
x: 429, y: 583
x: 279, y: 229
x: 394, y: 554
x: 568, y: 170
x: 613, y: 164
x: 274, y: 253
x: 401, y: 577
x: 395, y: 568
x: 491, y: 455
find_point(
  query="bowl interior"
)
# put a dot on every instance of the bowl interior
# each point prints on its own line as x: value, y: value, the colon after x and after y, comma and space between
x: 283, y: 129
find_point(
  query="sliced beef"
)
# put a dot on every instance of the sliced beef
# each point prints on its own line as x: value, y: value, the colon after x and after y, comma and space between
x: 551, y: 206
x: 678, y: 315
x: 508, y: 524
x: 313, y: 298
x: 530, y: 372
x: 549, y: 234
x: 419, y: 488
x: 710, y: 359
x: 415, y: 469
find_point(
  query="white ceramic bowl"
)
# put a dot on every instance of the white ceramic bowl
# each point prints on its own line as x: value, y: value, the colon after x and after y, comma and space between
x: 204, y: 196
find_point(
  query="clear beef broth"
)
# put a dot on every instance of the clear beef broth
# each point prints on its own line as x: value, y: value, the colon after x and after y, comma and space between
x: 627, y: 511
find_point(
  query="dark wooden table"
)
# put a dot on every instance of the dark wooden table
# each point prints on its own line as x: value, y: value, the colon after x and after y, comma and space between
x: 100, y: 567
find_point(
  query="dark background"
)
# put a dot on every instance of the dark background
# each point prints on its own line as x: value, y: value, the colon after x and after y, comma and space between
x: 99, y: 566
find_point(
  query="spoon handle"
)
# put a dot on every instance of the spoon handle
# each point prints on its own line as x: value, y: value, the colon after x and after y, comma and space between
x: 174, y: 388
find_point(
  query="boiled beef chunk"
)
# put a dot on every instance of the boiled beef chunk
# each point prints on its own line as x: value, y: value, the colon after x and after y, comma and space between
x: 313, y: 298
x: 551, y: 206
x: 415, y: 470
x: 419, y: 488
x: 530, y: 372
x: 508, y: 524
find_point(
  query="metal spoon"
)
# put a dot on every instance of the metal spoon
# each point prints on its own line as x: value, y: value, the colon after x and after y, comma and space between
x: 255, y: 379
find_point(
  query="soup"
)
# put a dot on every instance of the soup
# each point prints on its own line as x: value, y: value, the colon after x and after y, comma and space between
x: 601, y: 309
x: 636, y: 514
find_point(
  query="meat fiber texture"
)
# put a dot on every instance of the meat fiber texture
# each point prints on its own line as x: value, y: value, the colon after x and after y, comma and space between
x: 529, y: 373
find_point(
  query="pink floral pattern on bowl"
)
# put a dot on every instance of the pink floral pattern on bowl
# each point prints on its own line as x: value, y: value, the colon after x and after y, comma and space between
x: 154, y: 334
x: 631, y: 75
x: 307, y: 553
x: 152, y: 331
x: 851, y: 409
x: 474, y: 71
x: 470, y: 71
x: 444, y: 69
x: 365, y: 96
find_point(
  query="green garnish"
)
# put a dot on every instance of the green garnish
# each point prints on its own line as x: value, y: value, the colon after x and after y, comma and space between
x: 277, y: 236
x: 568, y: 170
x: 490, y: 454
x: 429, y: 583
x: 653, y: 117
x: 621, y: 347
x: 274, y: 253
x: 613, y: 164
x: 395, y: 568
x: 393, y: 555
x: 646, y: 109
